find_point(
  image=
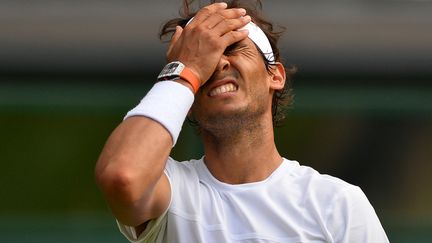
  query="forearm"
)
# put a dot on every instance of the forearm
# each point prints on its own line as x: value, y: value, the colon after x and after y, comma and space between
x: 133, y: 159
x: 130, y: 167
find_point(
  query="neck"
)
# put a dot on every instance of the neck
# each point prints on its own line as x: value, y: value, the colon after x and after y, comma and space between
x: 242, y: 154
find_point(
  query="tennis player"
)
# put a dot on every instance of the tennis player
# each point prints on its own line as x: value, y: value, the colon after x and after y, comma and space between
x: 224, y: 72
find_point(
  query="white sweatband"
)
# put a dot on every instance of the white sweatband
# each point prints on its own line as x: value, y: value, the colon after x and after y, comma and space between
x: 168, y: 103
x: 259, y: 38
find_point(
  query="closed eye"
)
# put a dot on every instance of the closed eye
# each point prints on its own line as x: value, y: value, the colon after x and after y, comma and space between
x: 232, y: 49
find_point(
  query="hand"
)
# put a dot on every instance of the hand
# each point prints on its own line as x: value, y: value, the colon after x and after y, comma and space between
x: 202, y: 42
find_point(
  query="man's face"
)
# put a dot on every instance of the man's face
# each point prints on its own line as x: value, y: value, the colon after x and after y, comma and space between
x: 238, y: 89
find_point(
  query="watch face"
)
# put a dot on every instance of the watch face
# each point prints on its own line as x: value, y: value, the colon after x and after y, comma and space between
x: 172, y: 69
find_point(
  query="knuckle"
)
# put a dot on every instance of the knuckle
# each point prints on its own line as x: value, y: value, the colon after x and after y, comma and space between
x: 187, y: 28
x: 217, y: 43
x: 200, y: 28
x: 231, y: 24
x: 221, y: 45
x: 206, y: 10
x: 221, y: 16
x: 232, y: 36
x: 233, y: 13
x: 212, y: 39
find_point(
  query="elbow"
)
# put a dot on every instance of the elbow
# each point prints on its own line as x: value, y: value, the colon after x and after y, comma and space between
x: 117, y: 183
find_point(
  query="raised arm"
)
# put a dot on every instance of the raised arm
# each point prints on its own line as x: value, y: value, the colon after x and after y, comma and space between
x: 130, y: 168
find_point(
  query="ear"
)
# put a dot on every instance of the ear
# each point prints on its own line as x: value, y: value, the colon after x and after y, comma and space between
x: 278, y: 76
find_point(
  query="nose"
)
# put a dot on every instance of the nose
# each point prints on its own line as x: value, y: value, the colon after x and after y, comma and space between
x: 223, y: 64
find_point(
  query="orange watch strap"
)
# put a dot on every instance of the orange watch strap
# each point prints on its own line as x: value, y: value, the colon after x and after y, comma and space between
x: 191, y: 78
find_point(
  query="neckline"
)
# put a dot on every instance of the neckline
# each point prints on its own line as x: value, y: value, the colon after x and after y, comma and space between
x: 209, y: 178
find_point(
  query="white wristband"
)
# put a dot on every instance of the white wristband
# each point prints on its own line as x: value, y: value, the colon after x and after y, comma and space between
x: 168, y: 103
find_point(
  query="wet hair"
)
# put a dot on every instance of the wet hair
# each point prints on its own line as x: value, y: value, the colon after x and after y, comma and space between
x: 283, y: 98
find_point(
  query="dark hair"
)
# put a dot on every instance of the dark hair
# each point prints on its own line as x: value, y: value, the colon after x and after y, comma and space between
x: 283, y: 98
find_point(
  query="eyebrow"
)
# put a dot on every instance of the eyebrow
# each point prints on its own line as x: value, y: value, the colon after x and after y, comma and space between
x: 234, y: 46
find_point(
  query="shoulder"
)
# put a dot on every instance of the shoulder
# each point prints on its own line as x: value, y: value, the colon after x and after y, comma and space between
x: 324, y: 190
x: 183, y: 176
x: 316, y: 185
x: 343, y: 208
x: 174, y: 167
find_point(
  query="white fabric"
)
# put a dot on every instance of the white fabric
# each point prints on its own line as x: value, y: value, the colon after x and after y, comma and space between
x: 259, y: 38
x: 168, y: 103
x: 294, y: 204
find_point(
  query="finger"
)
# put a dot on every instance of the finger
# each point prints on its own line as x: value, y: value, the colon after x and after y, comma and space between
x: 174, y: 39
x: 205, y: 12
x: 230, y: 25
x: 234, y: 36
x: 227, y: 14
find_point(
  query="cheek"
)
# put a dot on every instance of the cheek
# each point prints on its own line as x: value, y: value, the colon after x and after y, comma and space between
x: 259, y: 80
x: 255, y: 71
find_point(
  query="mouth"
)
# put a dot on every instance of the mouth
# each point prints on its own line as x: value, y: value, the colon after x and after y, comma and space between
x: 223, y: 88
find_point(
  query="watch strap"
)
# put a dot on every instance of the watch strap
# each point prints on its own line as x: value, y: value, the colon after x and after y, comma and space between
x: 175, y: 70
x: 191, y: 78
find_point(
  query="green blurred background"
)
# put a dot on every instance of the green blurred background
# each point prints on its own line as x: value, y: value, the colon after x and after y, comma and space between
x: 69, y: 71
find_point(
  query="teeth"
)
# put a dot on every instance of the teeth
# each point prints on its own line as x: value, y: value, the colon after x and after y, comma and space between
x: 229, y: 87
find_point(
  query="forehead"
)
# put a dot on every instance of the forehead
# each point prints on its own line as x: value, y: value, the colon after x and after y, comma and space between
x: 249, y: 48
x: 249, y: 43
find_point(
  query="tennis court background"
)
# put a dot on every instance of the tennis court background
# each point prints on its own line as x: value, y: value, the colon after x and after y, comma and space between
x: 70, y: 71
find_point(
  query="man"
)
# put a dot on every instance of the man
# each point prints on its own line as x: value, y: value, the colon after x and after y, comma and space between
x: 224, y: 71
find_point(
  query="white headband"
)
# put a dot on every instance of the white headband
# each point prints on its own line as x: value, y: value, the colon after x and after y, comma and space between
x: 259, y: 38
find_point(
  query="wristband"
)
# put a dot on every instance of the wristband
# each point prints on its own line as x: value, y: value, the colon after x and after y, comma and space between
x: 168, y: 103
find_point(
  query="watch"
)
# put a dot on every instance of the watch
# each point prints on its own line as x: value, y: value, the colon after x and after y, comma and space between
x: 175, y: 70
